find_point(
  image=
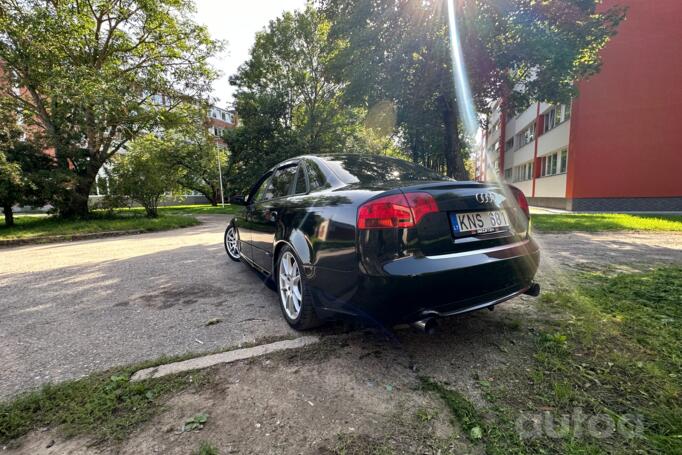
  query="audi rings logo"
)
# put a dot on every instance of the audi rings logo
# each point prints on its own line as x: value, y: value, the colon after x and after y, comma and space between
x: 485, y: 198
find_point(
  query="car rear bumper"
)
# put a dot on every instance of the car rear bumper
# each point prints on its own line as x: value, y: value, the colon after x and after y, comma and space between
x: 412, y: 288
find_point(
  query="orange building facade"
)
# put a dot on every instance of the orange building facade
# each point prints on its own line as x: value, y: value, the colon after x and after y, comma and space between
x: 617, y: 146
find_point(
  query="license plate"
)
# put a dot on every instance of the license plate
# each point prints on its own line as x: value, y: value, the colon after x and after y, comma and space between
x: 479, y: 222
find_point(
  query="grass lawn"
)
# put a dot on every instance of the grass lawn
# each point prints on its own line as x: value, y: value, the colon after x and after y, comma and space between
x: 106, y: 406
x: 611, y: 348
x: 35, y: 227
x: 196, y: 209
x: 606, y: 222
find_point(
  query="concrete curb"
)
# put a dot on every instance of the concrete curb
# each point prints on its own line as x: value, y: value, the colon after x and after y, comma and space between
x: 223, y: 357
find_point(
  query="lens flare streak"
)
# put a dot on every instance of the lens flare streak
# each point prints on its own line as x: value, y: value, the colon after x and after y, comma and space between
x: 465, y: 101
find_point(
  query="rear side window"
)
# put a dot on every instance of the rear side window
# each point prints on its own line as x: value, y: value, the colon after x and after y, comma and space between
x: 281, y: 181
x: 316, y: 177
x: 366, y: 169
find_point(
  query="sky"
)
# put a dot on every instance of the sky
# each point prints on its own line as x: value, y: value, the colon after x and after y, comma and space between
x: 237, y: 22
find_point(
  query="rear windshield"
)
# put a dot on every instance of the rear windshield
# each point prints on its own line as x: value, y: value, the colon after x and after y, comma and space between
x: 377, y: 169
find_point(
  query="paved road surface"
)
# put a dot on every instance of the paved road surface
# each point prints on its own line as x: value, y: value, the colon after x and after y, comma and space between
x: 70, y: 309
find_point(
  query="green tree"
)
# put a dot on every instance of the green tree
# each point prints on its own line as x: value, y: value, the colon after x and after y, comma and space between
x: 24, y: 169
x: 144, y: 173
x: 91, y: 73
x: 195, y: 154
x: 520, y: 50
x: 10, y: 187
x: 288, y: 103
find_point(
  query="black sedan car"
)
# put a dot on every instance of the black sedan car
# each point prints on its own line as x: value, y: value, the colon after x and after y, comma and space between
x: 383, y: 239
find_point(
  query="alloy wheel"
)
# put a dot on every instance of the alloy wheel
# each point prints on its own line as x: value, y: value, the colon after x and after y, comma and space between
x: 231, y: 243
x: 290, y: 291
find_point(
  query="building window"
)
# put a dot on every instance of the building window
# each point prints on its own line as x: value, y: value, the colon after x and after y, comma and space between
x: 555, y: 116
x: 509, y: 145
x: 523, y: 172
x: 526, y: 136
x: 508, y: 174
x: 554, y: 163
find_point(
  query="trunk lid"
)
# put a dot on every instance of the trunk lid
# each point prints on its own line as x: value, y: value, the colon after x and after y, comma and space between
x: 475, y: 203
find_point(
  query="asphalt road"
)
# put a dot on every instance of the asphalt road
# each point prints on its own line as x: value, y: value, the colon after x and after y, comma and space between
x: 69, y: 309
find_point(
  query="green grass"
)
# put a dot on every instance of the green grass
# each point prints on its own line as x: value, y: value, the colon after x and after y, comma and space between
x: 35, y: 227
x: 106, y: 405
x: 613, y: 346
x: 464, y: 413
x: 206, y: 448
x: 606, y: 222
x: 196, y: 209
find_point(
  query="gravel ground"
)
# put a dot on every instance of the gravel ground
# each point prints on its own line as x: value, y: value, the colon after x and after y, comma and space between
x: 73, y: 308
x: 70, y: 309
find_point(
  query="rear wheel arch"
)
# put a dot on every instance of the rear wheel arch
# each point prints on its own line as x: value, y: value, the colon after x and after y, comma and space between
x: 299, y: 243
x: 307, y: 318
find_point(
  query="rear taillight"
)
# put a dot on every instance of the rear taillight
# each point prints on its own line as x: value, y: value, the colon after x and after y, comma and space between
x: 395, y: 211
x: 521, y: 200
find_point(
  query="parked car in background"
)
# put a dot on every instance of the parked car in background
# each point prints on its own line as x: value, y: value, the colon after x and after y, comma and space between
x: 383, y: 239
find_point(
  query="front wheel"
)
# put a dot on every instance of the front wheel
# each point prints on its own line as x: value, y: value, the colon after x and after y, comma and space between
x: 232, y: 243
x: 294, y: 296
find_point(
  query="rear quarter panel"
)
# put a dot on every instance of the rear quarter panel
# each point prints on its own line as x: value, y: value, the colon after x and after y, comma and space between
x: 321, y: 228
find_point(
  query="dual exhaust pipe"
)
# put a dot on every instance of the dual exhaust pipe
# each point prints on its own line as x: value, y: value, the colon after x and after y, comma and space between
x: 429, y: 325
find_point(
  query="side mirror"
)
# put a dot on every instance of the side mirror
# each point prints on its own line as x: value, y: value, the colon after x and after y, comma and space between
x: 238, y: 200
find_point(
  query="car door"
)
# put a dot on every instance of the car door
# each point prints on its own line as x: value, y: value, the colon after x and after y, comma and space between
x: 267, y: 212
x: 245, y: 225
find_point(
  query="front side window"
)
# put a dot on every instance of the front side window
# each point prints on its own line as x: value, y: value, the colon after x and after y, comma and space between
x: 260, y: 194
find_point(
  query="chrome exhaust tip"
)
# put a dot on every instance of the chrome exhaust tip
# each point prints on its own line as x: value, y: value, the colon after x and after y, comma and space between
x: 428, y: 325
x: 533, y: 290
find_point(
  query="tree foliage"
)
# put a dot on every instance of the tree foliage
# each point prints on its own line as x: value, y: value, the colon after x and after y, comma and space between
x: 289, y: 104
x: 25, y: 176
x: 144, y: 173
x: 194, y: 153
x: 89, y: 71
x: 399, y: 51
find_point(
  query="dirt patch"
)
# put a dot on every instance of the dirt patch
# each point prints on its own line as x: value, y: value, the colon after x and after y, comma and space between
x: 320, y: 399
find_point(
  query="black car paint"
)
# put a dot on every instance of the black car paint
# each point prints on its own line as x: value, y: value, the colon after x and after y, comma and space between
x: 388, y: 275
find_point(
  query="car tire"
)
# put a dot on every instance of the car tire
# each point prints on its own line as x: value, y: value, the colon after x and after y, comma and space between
x: 292, y: 289
x: 231, y: 243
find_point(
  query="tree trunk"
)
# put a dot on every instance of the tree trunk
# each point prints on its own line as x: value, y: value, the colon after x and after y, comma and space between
x: 9, y: 215
x: 452, y: 152
x: 212, y: 195
x: 216, y: 196
x: 75, y: 204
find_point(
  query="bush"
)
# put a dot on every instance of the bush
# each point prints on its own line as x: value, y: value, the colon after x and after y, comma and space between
x: 144, y: 174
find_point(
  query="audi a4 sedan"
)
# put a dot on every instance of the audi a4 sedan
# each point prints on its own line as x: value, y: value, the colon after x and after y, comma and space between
x: 382, y: 239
